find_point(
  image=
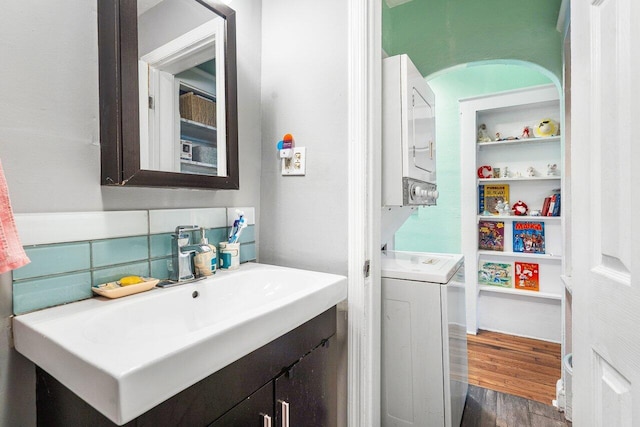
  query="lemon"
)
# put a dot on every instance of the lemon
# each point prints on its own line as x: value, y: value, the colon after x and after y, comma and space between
x: 130, y: 280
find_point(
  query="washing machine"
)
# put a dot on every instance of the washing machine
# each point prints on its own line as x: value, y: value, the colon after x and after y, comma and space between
x: 424, y: 339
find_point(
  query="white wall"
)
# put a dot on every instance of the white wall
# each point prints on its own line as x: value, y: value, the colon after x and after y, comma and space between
x: 304, y: 92
x: 49, y: 140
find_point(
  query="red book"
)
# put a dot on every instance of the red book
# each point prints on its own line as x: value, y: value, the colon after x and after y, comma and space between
x: 551, y: 205
x: 545, y: 206
x: 527, y: 277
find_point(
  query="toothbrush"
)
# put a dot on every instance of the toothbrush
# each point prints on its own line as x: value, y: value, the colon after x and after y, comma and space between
x: 242, y: 224
x: 237, y: 226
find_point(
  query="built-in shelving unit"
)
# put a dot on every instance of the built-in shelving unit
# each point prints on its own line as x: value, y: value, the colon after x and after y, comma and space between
x: 203, y: 138
x: 500, y: 307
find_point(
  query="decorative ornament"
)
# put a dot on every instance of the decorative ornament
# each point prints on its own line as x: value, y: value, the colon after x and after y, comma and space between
x: 484, y: 171
x: 531, y: 172
x: 483, y: 134
x: 551, y: 169
x: 520, y: 208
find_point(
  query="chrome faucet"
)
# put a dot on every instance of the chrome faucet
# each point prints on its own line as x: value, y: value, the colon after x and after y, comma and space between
x: 183, y: 253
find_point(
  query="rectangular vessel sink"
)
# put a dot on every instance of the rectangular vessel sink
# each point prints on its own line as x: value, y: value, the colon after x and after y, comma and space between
x: 127, y: 355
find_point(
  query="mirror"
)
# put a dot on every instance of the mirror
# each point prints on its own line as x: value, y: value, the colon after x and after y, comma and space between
x: 168, y: 105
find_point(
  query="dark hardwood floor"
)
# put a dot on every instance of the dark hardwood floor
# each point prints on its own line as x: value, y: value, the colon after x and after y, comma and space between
x: 489, y: 408
x: 512, y: 381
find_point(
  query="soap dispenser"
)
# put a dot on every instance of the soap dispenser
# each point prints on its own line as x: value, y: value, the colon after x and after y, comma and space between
x: 205, y: 261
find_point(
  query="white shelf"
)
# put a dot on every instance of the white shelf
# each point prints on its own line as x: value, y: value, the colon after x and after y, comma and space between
x: 520, y: 255
x: 512, y: 291
x: 198, y: 131
x: 518, y: 141
x: 194, y: 163
x: 511, y: 310
x: 524, y: 178
x: 517, y: 218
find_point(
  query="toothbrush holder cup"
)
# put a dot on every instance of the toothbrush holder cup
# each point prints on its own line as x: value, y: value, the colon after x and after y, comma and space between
x: 229, y: 255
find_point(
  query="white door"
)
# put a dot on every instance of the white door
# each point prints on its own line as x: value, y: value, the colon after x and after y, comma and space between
x: 605, y: 159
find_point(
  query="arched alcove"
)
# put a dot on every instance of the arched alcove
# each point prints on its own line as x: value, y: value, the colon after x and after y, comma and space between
x: 438, y: 228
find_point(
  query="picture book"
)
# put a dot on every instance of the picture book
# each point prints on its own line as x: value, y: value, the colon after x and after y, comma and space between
x: 491, y: 235
x: 526, y: 276
x: 489, y: 195
x: 554, y: 205
x: 495, y: 274
x: 528, y: 237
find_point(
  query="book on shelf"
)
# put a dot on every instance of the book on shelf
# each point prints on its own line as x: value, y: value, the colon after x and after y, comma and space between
x: 528, y: 237
x: 554, y: 206
x: 551, y: 205
x: 491, y: 235
x: 495, y: 274
x: 526, y: 276
x: 489, y: 195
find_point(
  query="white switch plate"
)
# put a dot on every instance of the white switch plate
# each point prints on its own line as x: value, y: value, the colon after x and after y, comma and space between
x: 297, y: 164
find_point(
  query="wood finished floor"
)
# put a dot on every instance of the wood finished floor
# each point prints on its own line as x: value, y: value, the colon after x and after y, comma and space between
x: 514, y: 365
x: 489, y: 408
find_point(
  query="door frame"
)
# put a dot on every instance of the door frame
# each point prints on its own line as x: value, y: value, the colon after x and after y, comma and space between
x: 364, y: 209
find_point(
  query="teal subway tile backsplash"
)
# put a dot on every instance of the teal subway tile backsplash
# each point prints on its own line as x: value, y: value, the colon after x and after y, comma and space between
x: 247, y: 252
x: 55, y: 259
x: 248, y: 234
x: 117, y: 251
x: 64, y: 272
x: 160, y: 245
x: 30, y: 295
x: 160, y: 268
x: 110, y: 274
x: 217, y: 235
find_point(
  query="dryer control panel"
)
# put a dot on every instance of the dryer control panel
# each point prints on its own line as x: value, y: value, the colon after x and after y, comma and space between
x: 419, y: 193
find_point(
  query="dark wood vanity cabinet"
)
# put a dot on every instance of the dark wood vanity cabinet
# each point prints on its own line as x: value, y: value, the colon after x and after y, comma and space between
x: 305, y: 394
x: 298, y: 369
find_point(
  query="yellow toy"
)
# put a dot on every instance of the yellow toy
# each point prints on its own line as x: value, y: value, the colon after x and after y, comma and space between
x: 546, y: 128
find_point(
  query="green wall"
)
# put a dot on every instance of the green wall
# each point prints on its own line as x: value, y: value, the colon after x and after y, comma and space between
x: 437, y: 228
x: 438, y: 34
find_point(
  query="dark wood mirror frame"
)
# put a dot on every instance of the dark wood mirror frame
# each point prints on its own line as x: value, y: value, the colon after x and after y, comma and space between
x: 119, y: 113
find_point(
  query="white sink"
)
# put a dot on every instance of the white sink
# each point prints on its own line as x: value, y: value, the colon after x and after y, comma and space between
x: 126, y: 356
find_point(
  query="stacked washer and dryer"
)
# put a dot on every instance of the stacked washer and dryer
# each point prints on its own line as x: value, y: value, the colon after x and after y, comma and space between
x: 424, y: 344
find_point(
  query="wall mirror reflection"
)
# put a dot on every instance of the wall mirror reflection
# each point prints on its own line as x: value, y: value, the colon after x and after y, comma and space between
x: 181, y: 84
x: 176, y: 73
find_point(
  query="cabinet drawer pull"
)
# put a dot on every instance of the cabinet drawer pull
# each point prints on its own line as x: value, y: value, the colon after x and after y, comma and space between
x: 266, y: 420
x: 284, y: 409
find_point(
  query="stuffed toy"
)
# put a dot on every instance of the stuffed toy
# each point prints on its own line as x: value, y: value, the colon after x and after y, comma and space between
x: 546, y: 128
x: 520, y: 208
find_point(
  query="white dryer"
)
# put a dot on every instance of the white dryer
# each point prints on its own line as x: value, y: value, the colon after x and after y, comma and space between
x: 424, y: 339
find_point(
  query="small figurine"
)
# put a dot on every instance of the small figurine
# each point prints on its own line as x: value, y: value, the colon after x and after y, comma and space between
x: 535, y: 213
x: 508, y: 138
x: 518, y: 174
x: 531, y: 172
x: 505, y: 172
x: 503, y: 208
x: 546, y: 128
x: 520, y: 208
x: 483, y: 134
x: 551, y: 169
x: 525, y: 133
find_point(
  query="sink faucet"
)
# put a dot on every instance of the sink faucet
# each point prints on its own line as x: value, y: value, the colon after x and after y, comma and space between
x: 183, y: 253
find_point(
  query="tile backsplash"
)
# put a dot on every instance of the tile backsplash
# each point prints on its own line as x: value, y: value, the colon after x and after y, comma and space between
x: 70, y: 252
